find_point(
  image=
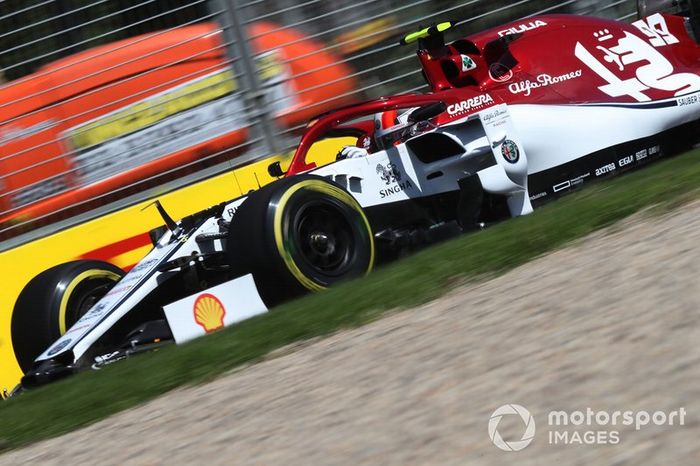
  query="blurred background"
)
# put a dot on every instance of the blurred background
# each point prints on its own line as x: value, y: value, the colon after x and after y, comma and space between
x: 104, y: 102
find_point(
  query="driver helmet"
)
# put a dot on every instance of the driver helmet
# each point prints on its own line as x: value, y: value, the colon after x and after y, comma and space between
x: 387, y: 125
x: 384, y: 122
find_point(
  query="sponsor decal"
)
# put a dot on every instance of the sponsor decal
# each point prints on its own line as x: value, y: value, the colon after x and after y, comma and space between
x: 652, y: 70
x: 538, y: 196
x: 543, y: 80
x: 77, y: 328
x: 209, y: 312
x: 493, y: 118
x: 623, y: 162
x: 524, y: 27
x: 467, y: 105
x: 467, y: 64
x: 143, y: 265
x: 644, y: 153
x: 232, y: 208
x: 500, y: 72
x: 119, y: 289
x: 59, y: 347
x: 397, y: 188
x: 109, y: 358
x: 389, y: 173
x: 152, y: 110
x: 139, y: 271
x: 95, y: 312
x: 275, y: 75
x: 510, y: 151
x: 499, y: 113
x: 561, y: 186
x: 605, y: 169
x: 656, y: 29
x: 37, y: 191
x: 365, y: 142
x: 688, y: 100
x: 579, y: 179
x: 197, y: 111
x: 13, y: 133
x: 570, y: 183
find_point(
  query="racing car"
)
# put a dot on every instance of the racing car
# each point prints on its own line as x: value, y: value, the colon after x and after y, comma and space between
x: 515, y: 116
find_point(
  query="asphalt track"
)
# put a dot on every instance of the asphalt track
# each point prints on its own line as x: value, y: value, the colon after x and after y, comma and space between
x: 609, y: 323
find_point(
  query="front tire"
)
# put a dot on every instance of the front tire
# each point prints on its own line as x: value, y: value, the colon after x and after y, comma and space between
x: 53, y: 301
x: 298, y: 235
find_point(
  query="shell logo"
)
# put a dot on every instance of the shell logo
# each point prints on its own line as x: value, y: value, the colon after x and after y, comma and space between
x: 209, y: 312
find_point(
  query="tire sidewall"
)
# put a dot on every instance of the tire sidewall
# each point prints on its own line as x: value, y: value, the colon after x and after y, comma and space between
x: 289, y: 201
x: 44, y: 310
x: 256, y: 242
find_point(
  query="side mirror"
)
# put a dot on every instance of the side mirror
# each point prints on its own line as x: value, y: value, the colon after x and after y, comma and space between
x: 275, y: 169
x: 427, y: 112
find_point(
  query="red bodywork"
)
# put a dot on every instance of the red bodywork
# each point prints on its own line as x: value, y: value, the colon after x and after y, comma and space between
x: 554, y: 59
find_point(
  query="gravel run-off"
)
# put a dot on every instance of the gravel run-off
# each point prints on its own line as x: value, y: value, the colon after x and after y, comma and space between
x: 611, y: 323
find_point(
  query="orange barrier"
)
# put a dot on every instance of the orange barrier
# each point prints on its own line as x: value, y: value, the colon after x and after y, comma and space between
x: 107, y: 120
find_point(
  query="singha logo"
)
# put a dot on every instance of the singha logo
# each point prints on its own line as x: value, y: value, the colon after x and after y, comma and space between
x: 389, y: 173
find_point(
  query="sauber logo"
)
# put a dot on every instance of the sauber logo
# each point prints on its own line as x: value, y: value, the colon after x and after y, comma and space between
x: 522, y: 28
x: 690, y: 100
x: 469, y: 104
x: 209, y: 312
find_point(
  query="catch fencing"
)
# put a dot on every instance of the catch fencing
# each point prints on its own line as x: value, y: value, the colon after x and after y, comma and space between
x: 106, y: 101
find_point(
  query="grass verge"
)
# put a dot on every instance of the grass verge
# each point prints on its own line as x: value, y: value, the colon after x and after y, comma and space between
x: 86, y: 398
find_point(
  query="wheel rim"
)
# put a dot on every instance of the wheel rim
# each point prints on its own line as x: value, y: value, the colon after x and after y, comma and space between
x: 86, y: 296
x: 324, y: 238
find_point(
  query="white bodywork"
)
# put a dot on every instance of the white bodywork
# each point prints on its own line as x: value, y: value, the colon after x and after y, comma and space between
x: 215, y: 308
x: 391, y: 176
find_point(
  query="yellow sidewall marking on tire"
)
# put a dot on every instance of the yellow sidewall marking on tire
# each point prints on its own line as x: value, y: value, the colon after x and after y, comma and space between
x: 87, y: 275
x: 332, y: 191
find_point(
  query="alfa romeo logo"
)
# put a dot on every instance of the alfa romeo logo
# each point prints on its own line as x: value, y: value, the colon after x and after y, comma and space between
x: 507, y: 410
x: 500, y: 73
x: 510, y: 151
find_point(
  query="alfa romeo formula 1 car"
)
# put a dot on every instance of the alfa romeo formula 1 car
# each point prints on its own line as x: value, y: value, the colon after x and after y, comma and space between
x: 516, y: 115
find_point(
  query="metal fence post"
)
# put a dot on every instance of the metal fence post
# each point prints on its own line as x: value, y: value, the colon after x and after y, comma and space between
x: 241, y: 54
